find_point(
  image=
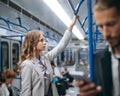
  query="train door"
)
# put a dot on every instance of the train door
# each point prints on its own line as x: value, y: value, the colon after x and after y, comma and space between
x: 10, y: 50
x: 15, y: 51
x: 14, y: 58
x: 5, y: 54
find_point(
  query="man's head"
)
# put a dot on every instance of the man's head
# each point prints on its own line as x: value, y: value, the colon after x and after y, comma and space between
x: 53, y: 64
x: 107, y: 16
x: 62, y: 63
x: 101, y: 5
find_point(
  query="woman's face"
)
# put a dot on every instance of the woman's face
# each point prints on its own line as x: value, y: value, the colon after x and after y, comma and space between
x: 9, y: 81
x: 41, y: 45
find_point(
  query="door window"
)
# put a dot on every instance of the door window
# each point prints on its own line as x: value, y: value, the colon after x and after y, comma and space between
x: 4, y: 55
x: 15, y: 55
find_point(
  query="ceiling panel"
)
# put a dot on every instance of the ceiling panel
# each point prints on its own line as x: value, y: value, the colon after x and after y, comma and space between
x: 39, y: 9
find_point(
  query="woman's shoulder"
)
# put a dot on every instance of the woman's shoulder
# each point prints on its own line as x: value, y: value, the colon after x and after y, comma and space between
x: 3, y: 85
x: 26, y: 62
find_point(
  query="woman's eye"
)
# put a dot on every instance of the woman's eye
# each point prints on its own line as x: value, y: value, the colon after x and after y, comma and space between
x: 42, y: 40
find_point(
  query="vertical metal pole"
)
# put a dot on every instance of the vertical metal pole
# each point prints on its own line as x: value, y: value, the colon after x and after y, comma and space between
x: 90, y: 38
x: 21, y: 41
x: 94, y: 41
x: 0, y: 56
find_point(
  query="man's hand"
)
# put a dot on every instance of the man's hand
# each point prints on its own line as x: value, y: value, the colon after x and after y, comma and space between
x: 87, y: 88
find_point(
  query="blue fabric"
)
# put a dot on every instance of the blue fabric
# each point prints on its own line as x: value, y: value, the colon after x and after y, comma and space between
x: 55, y: 80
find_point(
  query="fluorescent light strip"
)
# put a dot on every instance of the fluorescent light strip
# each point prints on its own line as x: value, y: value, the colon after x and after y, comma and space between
x: 58, y: 10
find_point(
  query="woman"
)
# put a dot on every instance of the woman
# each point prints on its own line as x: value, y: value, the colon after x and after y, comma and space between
x: 9, y: 76
x: 36, y: 71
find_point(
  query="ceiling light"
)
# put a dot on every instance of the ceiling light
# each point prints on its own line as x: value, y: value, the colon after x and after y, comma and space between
x: 58, y: 10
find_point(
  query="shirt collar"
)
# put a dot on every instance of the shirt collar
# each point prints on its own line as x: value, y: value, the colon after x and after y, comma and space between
x: 36, y: 60
x: 111, y: 51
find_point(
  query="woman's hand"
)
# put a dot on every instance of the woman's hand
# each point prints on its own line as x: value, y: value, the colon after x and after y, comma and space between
x: 72, y: 23
x: 87, y: 88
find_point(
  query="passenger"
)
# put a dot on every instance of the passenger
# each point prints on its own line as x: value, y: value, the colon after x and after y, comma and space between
x: 2, y: 80
x: 56, y: 72
x: 106, y: 63
x: 59, y: 81
x: 66, y: 74
x: 9, y: 75
x: 36, y: 71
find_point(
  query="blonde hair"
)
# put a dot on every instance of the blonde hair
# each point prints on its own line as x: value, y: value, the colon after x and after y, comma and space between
x: 29, y: 49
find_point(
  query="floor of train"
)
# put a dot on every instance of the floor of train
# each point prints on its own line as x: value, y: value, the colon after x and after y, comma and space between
x: 73, y: 91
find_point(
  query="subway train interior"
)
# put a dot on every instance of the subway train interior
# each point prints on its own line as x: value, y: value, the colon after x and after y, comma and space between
x: 17, y: 17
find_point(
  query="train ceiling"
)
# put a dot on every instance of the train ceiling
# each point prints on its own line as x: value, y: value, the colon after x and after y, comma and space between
x: 37, y: 10
x: 40, y: 10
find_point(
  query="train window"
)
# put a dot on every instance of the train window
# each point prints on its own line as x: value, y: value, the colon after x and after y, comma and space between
x: 83, y: 57
x: 15, y: 55
x: 4, y: 55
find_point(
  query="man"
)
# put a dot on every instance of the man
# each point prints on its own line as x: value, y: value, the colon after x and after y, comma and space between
x: 66, y: 74
x: 106, y: 63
